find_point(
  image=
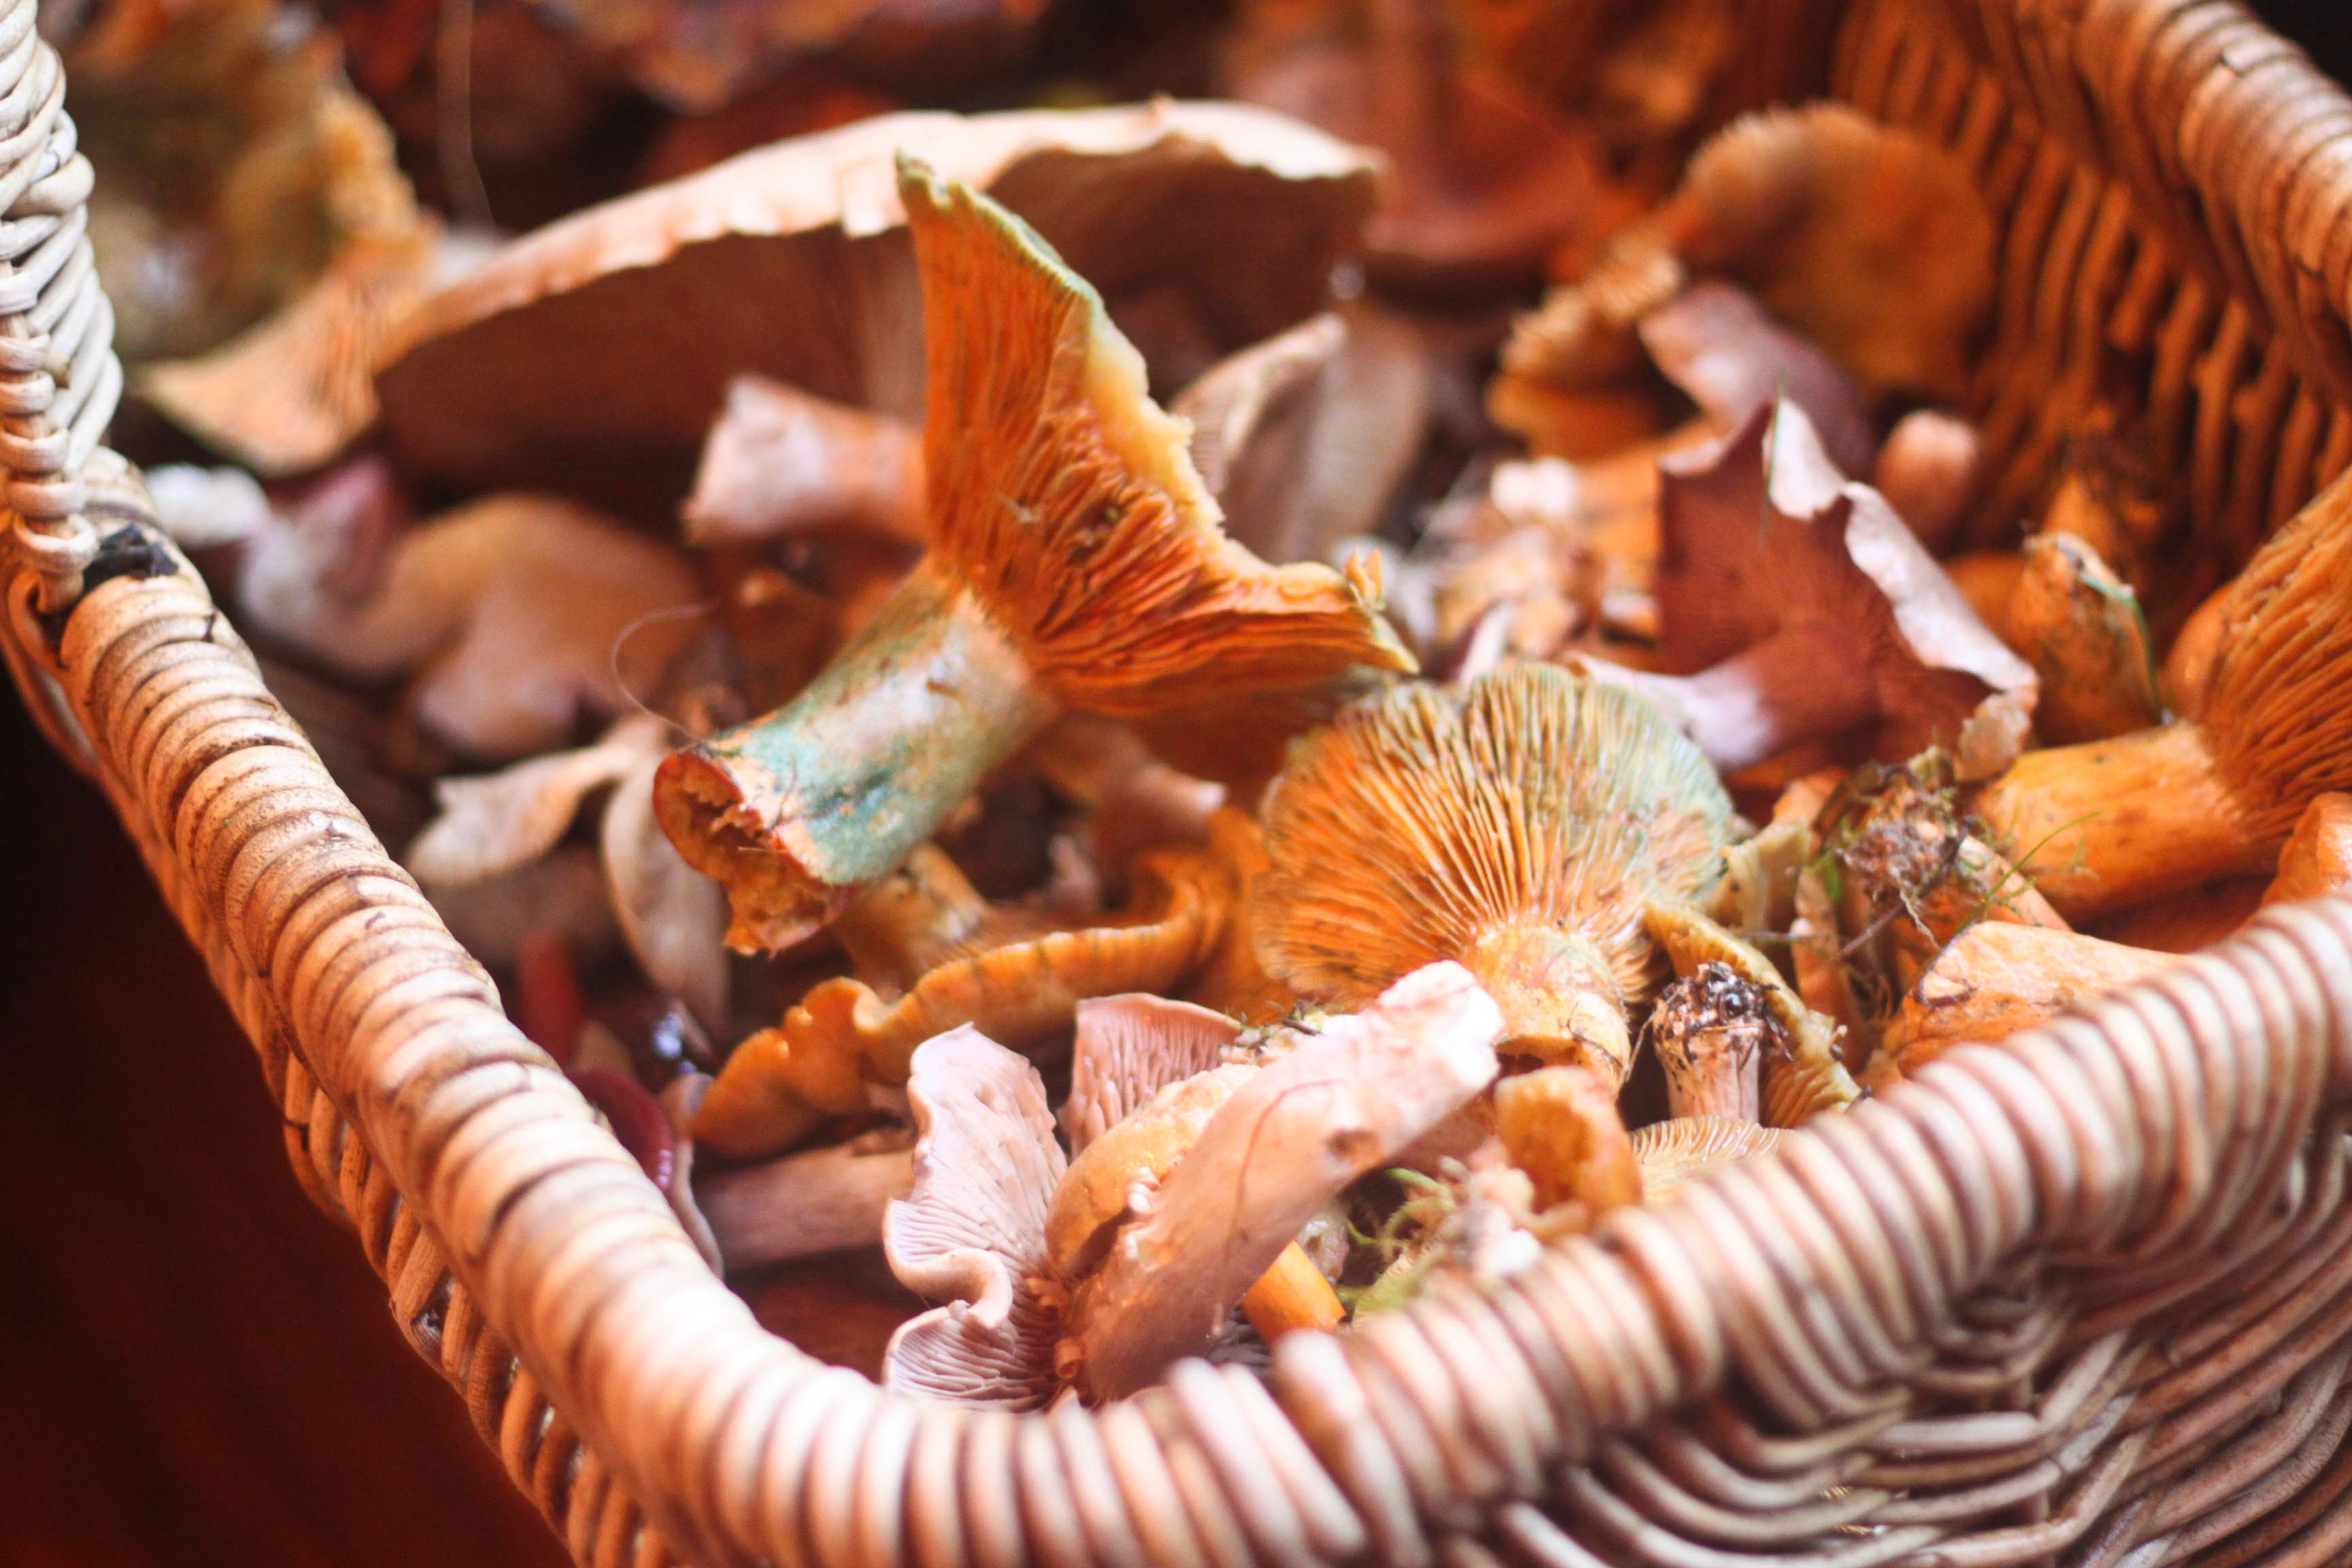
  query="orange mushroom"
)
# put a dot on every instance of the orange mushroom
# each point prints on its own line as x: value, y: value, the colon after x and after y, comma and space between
x: 1996, y: 979
x: 1075, y: 561
x: 2105, y: 825
x: 1519, y: 829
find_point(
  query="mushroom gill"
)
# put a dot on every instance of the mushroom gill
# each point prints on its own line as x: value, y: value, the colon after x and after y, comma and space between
x: 1519, y: 829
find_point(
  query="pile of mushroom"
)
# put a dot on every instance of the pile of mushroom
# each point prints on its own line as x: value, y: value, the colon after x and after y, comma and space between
x: 1102, y: 735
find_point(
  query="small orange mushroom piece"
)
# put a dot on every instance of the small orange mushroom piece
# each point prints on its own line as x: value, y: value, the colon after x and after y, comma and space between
x: 1518, y: 830
x: 1994, y: 980
x: 1075, y: 561
x: 2105, y: 825
x: 1560, y: 1125
x: 2080, y: 626
x: 2316, y: 860
x: 1795, y: 606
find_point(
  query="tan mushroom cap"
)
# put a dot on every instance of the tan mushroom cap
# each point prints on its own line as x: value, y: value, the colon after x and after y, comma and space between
x: 534, y: 369
x: 972, y: 1227
x: 1520, y: 830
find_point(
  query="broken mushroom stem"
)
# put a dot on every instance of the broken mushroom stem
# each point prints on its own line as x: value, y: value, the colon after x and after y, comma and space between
x: 1712, y: 1031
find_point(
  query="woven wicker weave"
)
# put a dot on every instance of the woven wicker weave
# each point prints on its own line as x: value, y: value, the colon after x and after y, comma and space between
x: 2085, y: 1298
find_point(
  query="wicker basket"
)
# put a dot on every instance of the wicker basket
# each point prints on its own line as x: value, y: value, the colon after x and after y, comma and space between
x: 2085, y: 1298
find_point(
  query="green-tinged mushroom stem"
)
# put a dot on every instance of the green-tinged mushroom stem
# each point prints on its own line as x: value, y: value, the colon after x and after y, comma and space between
x: 797, y: 811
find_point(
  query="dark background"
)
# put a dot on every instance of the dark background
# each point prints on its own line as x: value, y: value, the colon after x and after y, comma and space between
x: 195, y: 1366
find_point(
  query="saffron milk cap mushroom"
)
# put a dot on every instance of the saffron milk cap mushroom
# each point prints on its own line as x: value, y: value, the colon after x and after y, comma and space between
x: 1076, y: 560
x: 2103, y: 824
x: 1519, y: 830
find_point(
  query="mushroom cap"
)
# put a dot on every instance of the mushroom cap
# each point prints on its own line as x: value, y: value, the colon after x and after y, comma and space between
x: 1561, y: 1126
x: 2278, y: 704
x: 1047, y: 466
x: 973, y: 1227
x: 1686, y: 1149
x: 1872, y: 241
x: 290, y: 394
x: 1761, y: 536
x: 533, y: 370
x: 1535, y: 815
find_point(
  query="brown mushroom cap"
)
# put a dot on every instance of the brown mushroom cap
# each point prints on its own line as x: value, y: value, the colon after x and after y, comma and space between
x: 534, y: 370
x: 1519, y: 829
x: 1804, y: 608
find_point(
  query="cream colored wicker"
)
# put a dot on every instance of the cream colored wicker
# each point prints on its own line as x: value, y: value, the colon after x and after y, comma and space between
x: 2084, y: 1298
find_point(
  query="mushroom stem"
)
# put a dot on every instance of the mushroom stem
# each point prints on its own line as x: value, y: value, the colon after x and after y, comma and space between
x: 1559, y: 1002
x: 1995, y: 980
x: 822, y: 1201
x: 797, y: 811
x: 1292, y: 1294
x: 1711, y: 1031
x: 1803, y: 683
x: 2105, y: 825
x: 1561, y: 1126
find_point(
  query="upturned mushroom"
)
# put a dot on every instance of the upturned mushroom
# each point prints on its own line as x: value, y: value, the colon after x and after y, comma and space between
x: 1672, y: 1155
x: 1519, y: 830
x: 1101, y: 1273
x: 2105, y: 825
x: 843, y: 1036
x: 1215, y: 224
x: 1075, y: 561
x: 1794, y: 605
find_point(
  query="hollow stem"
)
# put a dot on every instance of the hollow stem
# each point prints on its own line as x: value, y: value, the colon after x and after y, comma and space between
x: 797, y: 811
x: 2105, y: 825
